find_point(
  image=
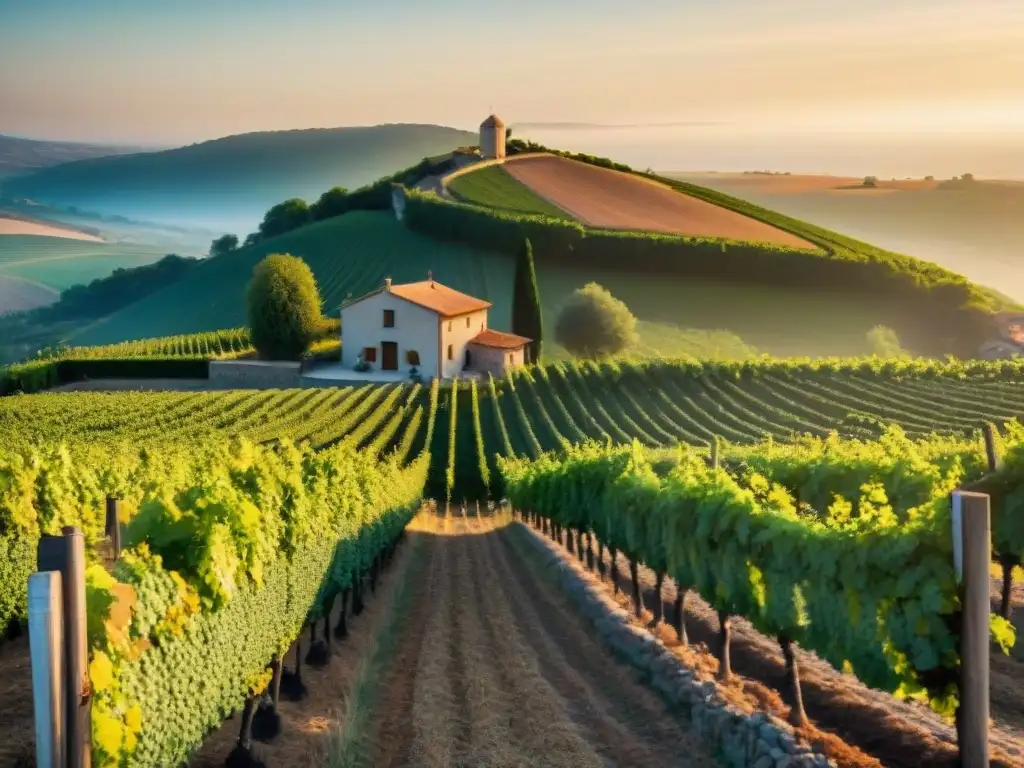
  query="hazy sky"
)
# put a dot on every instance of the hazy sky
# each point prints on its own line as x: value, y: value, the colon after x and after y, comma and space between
x: 178, y: 71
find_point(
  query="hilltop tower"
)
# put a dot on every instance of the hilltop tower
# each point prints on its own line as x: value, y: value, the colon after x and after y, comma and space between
x: 492, y: 138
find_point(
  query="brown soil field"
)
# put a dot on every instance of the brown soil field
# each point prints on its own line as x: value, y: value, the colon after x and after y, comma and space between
x: 798, y: 184
x: 600, y: 197
x: 10, y: 226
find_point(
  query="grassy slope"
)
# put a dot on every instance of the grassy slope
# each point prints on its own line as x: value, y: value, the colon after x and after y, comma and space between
x: 249, y: 172
x: 353, y: 253
x: 348, y: 254
x: 494, y: 187
x: 59, y: 262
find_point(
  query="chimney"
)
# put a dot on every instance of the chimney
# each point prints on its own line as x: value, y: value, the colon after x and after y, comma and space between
x: 387, y: 283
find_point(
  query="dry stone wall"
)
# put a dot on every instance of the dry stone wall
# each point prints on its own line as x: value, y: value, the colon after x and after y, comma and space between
x: 741, y: 740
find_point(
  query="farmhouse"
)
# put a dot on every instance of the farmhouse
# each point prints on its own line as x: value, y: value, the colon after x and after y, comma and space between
x: 439, y: 331
x: 1011, y: 337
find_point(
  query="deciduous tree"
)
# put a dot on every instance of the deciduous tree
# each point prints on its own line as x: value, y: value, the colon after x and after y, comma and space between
x: 283, y: 307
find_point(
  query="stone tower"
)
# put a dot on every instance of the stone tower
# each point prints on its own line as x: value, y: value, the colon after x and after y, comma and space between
x: 492, y: 138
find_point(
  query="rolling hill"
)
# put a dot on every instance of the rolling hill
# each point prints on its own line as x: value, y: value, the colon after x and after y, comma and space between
x: 21, y: 156
x: 353, y: 253
x: 975, y: 229
x: 231, y: 182
x: 17, y: 294
x: 59, y: 262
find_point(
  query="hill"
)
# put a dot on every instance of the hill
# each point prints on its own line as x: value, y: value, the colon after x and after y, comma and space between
x: 17, y: 295
x: 354, y: 252
x: 20, y: 156
x: 59, y: 263
x: 232, y: 181
x: 974, y: 228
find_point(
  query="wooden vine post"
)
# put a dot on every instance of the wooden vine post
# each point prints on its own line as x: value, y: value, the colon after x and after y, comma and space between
x: 972, y: 552
x: 66, y: 555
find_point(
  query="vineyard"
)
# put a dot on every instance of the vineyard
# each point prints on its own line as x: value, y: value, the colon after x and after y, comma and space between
x: 549, y: 407
x: 832, y: 546
x: 495, y: 187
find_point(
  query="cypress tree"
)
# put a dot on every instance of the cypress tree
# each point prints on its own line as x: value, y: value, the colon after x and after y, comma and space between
x: 526, y: 315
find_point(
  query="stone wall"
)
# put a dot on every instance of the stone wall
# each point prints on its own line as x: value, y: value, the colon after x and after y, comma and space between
x: 756, y: 740
x: 254, y: 374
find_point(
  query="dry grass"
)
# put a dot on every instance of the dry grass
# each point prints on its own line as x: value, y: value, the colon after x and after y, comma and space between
x: 610, y: 199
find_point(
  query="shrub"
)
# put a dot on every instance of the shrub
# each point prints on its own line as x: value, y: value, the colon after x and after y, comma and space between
x: 593, y: 323
x: 283, y: 306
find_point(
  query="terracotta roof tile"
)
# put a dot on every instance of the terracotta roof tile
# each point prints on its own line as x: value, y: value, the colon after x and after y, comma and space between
x: 493, y: 121
x: 499, y: 340
x: 446, y: 301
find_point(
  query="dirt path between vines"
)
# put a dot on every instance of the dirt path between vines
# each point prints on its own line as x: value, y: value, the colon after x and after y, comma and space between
x: 896, y: 733
x: 309, y: 726
x: 496, y: 668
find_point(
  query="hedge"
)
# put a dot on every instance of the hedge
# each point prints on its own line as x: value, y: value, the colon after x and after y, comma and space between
x: 935, y: 311
x: 37, y: 375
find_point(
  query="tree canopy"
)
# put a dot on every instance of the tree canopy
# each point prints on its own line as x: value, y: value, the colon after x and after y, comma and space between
x: 284, y: 217
x: 593, y: 323
x: 283, y: 307
x: 223, y: 244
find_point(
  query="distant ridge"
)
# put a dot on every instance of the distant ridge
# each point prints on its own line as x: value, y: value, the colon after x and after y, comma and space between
x: 20, y: 155
x: 614, y: 126
x: 236, y: 177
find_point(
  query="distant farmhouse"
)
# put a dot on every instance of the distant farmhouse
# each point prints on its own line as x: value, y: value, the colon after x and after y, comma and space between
x: 1011, y: 337
x: 437, y: 330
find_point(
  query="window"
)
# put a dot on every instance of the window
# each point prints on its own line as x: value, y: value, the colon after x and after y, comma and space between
x: 467, y: 322
x: 412, y: 357
x: 370, y: 354
x: 449, y: 328
x: 511, y: 358
x: 451, y: 352
x: 389, y: 318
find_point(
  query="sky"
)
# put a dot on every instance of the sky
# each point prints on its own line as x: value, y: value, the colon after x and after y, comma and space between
x: 169, y: 73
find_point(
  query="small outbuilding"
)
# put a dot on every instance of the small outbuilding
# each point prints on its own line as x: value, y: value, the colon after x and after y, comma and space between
x: 492, y: 138
x: 428, y: 326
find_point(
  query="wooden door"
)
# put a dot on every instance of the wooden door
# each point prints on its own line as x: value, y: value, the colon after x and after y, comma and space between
x: 389, y: 356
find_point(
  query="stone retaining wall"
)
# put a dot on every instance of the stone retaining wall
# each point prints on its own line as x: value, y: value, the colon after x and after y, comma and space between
x: 254, y: 374
x: 739, y: 739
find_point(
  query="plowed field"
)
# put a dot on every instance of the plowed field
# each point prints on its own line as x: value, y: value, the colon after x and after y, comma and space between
x: 604, y: 198
x: 495, y: 668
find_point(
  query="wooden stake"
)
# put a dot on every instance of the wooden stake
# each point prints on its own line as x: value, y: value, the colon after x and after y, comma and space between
x: 67, y: 554
x: 46, y: 641
x: 972, y: 548
x: 113, y: 527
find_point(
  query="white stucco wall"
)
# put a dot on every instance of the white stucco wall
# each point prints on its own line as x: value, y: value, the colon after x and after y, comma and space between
x: 362, y: 325
x: 463, y: 329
